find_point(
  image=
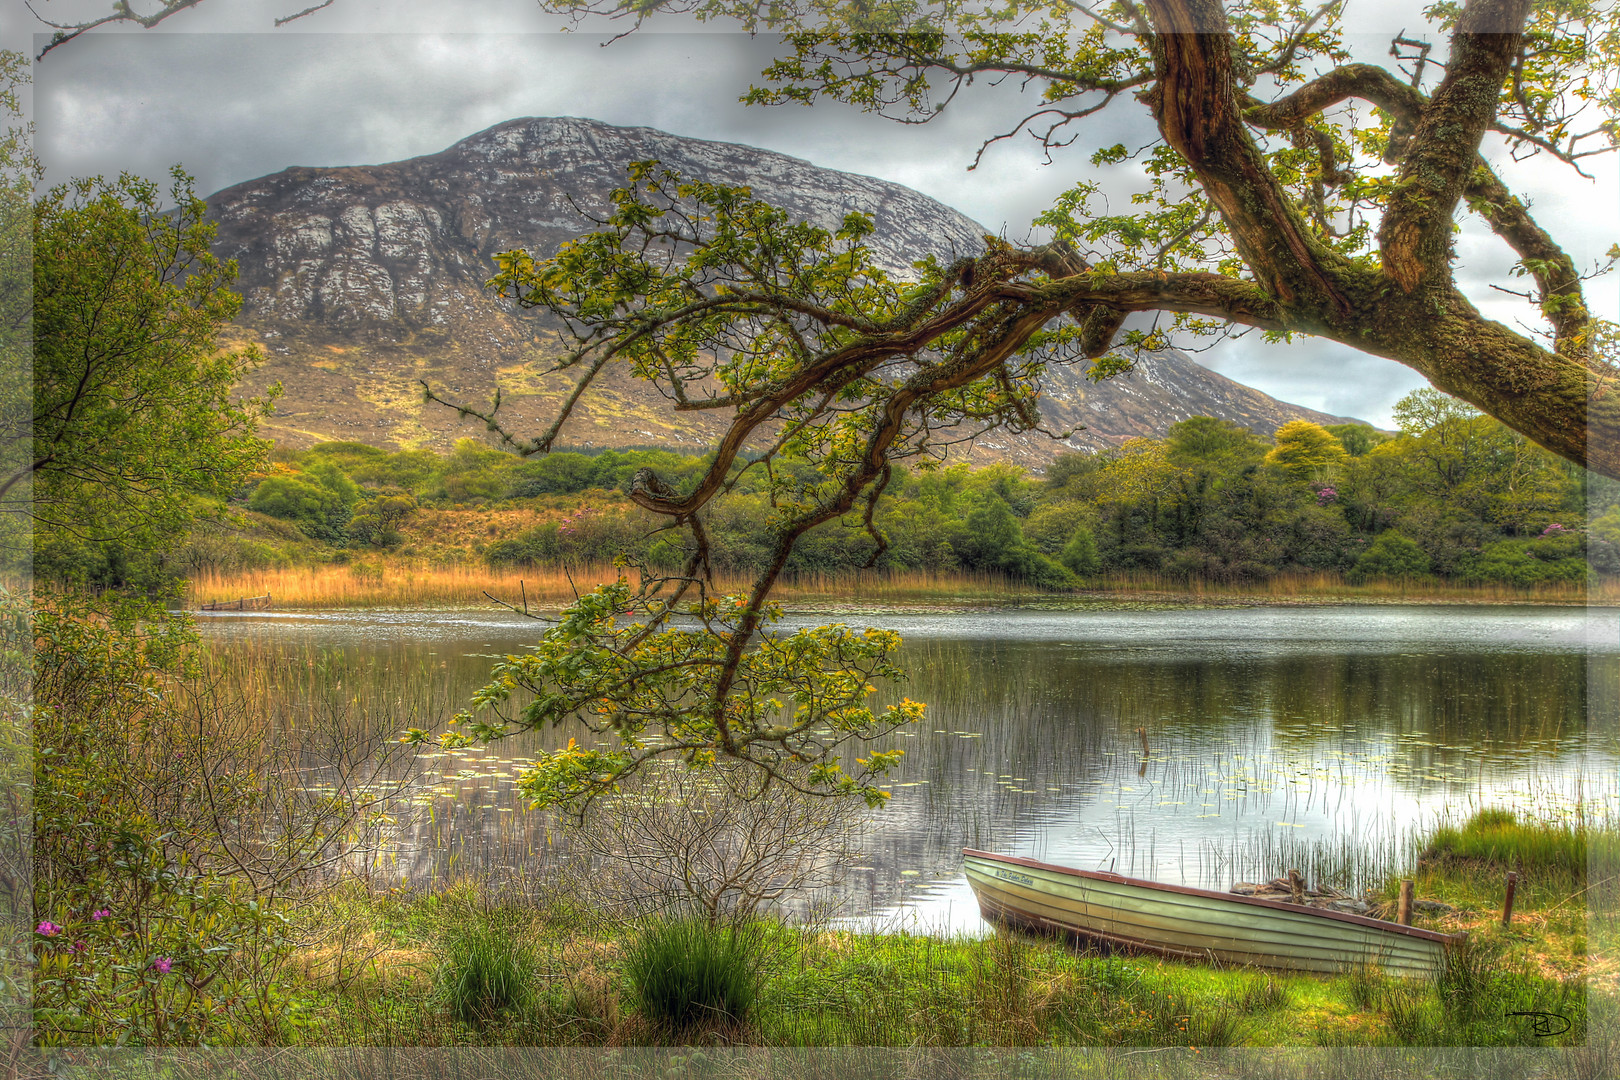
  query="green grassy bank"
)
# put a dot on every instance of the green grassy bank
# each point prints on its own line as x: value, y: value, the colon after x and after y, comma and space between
x: 463, y: 966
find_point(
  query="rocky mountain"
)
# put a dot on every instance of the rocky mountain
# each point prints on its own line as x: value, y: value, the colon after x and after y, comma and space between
x: 359, y: 281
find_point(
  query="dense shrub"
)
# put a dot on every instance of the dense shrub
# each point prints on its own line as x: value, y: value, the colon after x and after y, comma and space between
x: 169, y: 833
x: 141, y: 938
x: 1080, y: 554
x: 319, y: 502
x: 376, y: 521
x: 1526, y: 563
x: 1391, y: 555
x: 994, y: 541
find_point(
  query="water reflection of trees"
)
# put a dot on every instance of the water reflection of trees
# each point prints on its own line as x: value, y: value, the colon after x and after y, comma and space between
x: 1021, y: 735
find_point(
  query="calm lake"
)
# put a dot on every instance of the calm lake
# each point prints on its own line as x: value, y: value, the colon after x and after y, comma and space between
x: 1315, y: 737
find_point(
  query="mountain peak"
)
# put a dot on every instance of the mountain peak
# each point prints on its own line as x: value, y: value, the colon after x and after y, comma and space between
x: 360, y: 281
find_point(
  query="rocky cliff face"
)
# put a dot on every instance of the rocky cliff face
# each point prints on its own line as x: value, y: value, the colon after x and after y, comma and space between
x: 359, y: 281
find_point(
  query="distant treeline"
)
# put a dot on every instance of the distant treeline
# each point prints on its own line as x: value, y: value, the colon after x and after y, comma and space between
x: 1454, y: 495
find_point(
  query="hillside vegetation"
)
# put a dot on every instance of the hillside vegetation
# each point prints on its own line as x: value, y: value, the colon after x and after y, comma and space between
x: 1453, y: 498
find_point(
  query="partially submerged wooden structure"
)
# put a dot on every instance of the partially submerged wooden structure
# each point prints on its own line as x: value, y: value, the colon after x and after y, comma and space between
x: 246, y: 603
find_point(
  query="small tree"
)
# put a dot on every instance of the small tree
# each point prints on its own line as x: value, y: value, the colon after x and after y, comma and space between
x: 715, y: 840
x: 1080, y: 554
x: 1305, y: 450
x: 1217, y: 445
x: 135, y: 415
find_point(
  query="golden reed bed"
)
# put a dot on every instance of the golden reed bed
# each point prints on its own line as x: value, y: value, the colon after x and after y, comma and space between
x: 406, y: 585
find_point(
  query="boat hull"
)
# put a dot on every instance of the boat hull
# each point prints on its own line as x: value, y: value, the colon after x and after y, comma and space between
x: 1196, y: 924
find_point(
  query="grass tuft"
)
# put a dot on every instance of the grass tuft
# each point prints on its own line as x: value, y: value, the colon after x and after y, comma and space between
x: 485, y: 974
x: 685, y: 972
x: 1263, y: 993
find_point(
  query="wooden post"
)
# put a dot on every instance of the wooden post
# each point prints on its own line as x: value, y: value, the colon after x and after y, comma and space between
x: 1142, y: 731
x: 1403, y: 913
x: 1507, y: 901
x: 1296, y: 887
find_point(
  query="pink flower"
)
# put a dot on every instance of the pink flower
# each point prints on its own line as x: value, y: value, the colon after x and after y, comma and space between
x: 162, y: 965
x: 99, y: 914
x: 79, y: 946
x: 49, y: 929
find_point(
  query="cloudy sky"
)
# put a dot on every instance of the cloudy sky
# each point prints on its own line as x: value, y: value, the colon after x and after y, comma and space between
x: 222, y: 93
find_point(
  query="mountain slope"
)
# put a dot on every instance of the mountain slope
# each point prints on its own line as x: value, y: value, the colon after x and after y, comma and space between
x: 359, y: 281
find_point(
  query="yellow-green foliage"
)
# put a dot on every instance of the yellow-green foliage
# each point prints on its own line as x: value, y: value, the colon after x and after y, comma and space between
x: 1305, y: 449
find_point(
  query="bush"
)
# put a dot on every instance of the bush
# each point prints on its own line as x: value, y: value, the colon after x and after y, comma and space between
x: 168, y: 830
x: 713, y: 840
x: 685, y: 972
x: 485, y: 973
x: 1390, y: 556
x: 376, y: 521
x: 1527, y: 563
x: 141, y: 938
x: 317, y: 504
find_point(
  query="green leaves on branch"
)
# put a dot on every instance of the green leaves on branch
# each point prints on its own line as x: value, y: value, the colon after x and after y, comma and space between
x: 658, y: 687
x: 682, y: 269
x: 135, y: 416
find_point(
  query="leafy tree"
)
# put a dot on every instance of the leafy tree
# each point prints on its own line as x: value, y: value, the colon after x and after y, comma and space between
x: 1052, y: 524
x: 1465, y: 459
x: 1217, y: 445
x: 376, y: 521
x: 1444, y: 436
x: 1080, y: 554
x: 805, y: 693
x: 1140, y: 470
x: 20, y: 170
x: 1357, y: 439
x: 1267, y: 202
x: 1305, y: 450
x: 134, y: 416
x: 993, y: 535
x: 1271, y: 198
x: 994, y: 541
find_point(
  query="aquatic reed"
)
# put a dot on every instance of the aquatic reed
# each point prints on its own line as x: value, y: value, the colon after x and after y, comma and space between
x: 393, y: 582
x: 412, y: 585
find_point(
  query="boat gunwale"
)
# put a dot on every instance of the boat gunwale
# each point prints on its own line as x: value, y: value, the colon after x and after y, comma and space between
x: 1448, y: 940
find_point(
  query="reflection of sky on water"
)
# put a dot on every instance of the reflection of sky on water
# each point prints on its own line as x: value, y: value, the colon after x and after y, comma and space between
x: 1270, y: 730
x: 1196, y: 821
x: 1230, y: 630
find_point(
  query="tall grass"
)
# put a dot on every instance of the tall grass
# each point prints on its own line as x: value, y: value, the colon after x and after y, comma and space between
x: 408, y: 585
x: 400, y: 583
x: 1497, y: 837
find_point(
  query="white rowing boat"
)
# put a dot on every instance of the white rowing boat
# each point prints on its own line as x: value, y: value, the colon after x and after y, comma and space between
x: 1196, y: 924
